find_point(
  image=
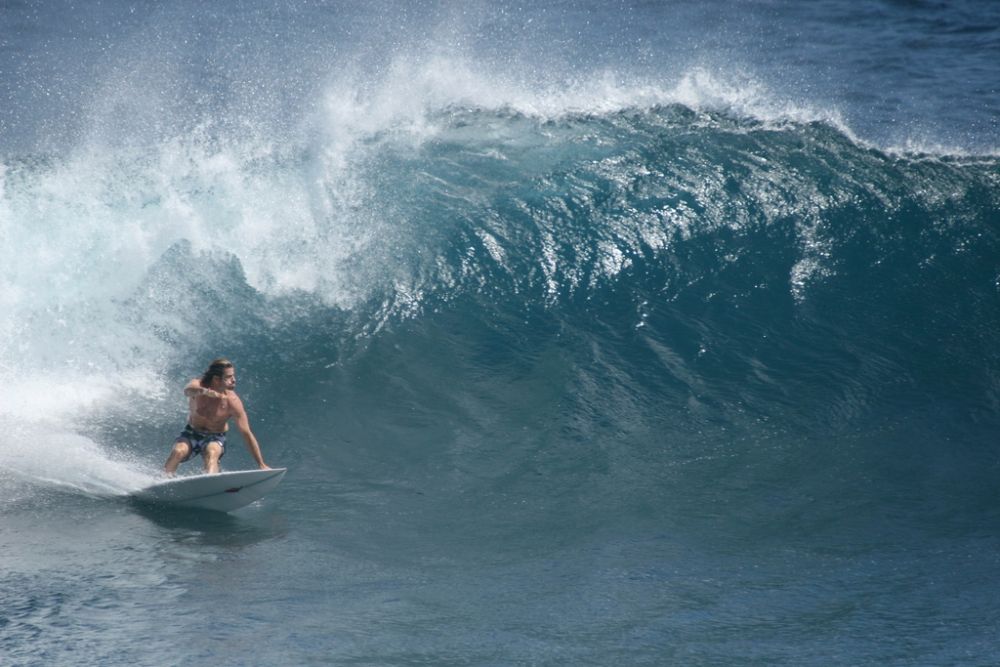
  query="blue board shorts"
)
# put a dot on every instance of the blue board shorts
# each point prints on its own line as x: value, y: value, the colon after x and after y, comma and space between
x: 199, y: 440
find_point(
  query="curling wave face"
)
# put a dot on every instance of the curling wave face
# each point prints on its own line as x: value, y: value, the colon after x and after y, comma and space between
x: 659, y: 210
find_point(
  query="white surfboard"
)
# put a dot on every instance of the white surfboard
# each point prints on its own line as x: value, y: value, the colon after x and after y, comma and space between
x: 222, y: 492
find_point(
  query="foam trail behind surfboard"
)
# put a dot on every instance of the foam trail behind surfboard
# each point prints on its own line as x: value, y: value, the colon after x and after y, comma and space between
x: 48, y: 457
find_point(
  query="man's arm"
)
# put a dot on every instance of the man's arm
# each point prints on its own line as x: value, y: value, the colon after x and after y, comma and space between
x: 194, y: 389
x: 243, y: 424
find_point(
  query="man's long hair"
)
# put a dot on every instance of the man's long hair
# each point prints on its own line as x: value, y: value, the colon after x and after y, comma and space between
x: 215, y: 369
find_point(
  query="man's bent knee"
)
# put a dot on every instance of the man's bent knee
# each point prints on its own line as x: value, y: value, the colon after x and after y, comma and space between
x: 181, y: 449
x: 212, y: 452
x: 179, y: 453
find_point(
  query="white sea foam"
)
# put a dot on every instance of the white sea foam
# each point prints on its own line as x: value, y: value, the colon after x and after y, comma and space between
x: 405, y: 98
x: 37, y: 454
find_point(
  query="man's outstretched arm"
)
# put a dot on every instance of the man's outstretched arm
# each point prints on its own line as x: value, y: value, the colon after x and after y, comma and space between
x: 243, y: 424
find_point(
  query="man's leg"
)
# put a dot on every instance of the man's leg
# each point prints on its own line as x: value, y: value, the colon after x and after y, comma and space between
x: 180, y: 452
x: 212, y: 453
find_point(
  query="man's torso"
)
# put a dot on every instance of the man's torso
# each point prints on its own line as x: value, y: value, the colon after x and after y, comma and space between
x: 209, y: 414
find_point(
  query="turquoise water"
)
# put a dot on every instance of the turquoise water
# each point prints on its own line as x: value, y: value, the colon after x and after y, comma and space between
x: 590, y: 334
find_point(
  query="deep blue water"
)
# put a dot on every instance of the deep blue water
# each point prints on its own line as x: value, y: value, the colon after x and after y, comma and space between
x: 590, y: 333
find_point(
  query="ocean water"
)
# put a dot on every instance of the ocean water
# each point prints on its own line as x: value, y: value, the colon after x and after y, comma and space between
x: 591, y: 333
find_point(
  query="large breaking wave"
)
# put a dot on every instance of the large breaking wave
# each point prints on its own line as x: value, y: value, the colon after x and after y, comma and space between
x: 672, y: 268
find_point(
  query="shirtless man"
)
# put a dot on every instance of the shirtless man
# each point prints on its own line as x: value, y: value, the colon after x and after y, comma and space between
x: 212, y: 403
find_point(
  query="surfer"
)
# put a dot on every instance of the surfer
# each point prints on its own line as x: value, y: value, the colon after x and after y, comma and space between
x: 212, y: 402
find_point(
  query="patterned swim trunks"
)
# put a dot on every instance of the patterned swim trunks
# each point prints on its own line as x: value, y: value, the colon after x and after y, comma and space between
x: 199, y: 440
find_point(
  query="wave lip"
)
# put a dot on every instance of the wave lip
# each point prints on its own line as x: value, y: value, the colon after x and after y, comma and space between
x: 413, y: 92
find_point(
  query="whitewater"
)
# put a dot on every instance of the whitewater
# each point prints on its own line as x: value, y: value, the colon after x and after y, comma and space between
x: 590, y: 334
